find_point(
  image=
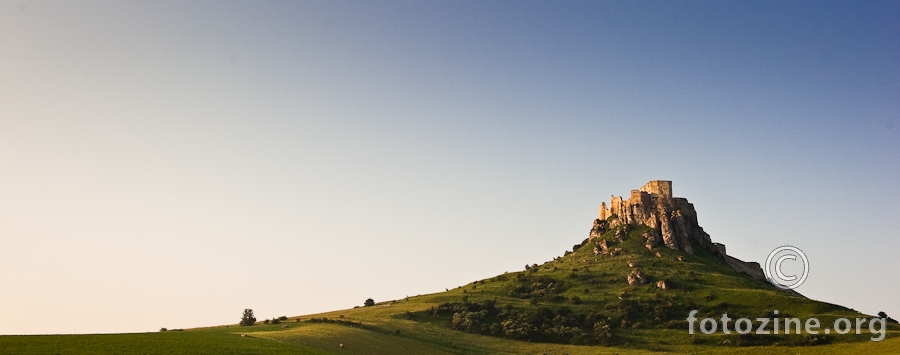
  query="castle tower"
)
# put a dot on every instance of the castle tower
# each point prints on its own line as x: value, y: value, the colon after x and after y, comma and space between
x: 660, y: 188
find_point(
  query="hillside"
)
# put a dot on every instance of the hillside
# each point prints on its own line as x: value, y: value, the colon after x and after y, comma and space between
x: 628, y: 288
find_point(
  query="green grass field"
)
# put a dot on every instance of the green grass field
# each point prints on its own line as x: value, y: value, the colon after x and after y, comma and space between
x: 588, y: 284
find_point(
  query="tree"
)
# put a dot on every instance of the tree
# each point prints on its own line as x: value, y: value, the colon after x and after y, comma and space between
x: 248, y: 318
x: 882, y: 314
x: 370, y: 302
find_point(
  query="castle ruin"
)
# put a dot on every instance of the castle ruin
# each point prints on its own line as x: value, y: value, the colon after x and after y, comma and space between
x: 673, y: 221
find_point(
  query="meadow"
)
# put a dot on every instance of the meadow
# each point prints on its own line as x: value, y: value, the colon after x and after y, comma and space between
x: 586, y: 287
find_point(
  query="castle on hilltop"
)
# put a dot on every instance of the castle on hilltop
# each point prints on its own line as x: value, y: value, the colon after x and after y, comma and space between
x: 673, y: 223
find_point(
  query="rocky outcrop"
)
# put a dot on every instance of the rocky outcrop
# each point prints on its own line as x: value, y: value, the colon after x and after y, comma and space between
x: 601, y: 247
x: 661, y: 284
x: 621, y: 235
x: 636, y: 277
x: 673, y: 221
x: 649, y: 240
x: 750, y: 268
x: 598, y: 229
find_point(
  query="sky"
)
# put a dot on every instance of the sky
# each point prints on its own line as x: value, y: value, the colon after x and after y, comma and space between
x: 171, y: 163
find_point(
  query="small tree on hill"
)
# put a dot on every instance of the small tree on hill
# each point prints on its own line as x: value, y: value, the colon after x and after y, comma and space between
x: 369, y: 302
x: 248, y: 318
x: 884, y: 315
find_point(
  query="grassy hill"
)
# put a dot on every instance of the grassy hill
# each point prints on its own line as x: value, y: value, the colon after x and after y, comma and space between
x: 580, y: 303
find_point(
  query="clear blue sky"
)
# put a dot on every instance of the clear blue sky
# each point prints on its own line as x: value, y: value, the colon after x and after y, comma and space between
x: 168, y: 164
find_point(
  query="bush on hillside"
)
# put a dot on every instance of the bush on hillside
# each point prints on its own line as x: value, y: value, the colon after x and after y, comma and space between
x: 334, y: 321
x: 541, y: 324
x: 369, y: 302
x: 537, y: 287
x: 884, y: 315
x: 248, y: 319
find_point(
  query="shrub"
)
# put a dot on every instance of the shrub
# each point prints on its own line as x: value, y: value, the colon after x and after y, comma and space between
x: 629, y: 311
x: 540, y: 287
x: 812, y: 339
x: 266, y: 321
x: 369, y: 302
x: 751, y: 339
x: 542, y: 324
x: 559, y: 298
x: 601, y: 333
x: 334, y: 321
x: 677, y: 324
x: 248, y: 319
x: 884, y: 315
x: 163, y: 329
x: 282, y: 318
